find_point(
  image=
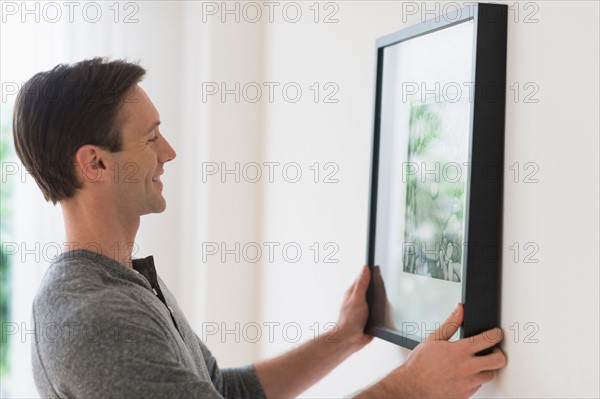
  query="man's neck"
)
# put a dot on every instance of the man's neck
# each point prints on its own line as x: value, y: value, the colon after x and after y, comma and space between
x: 100, y: 231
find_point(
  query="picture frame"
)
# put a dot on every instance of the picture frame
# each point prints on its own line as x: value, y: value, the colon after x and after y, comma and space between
x: 435, y: 213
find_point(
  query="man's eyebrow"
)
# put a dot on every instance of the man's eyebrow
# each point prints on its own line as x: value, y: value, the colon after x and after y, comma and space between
x: 154, y: 126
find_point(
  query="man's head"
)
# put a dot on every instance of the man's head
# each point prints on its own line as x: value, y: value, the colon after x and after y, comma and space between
x: 89, y: 126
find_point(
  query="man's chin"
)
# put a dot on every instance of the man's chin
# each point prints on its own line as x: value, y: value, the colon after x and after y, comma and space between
x: 158, y: 206
x: 161, y: 207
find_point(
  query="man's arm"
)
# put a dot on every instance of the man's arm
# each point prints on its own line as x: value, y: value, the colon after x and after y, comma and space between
x: 292, y: 373
x: 239, y: 382
x: 436, y: 368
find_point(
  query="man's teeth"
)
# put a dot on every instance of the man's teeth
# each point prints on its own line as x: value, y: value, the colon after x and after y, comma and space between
x: 157, y: 178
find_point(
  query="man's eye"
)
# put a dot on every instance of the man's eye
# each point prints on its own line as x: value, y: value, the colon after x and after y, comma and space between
x: 152, y: 140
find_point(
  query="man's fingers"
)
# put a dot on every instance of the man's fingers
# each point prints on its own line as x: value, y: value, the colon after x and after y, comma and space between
x: 350, y: 290
x: 484, y: 377
x: 449, y: 327
x: 357, y: 285
x: 494, y: 361
x: 377, y: 279
x: 473, y: 391
x: 485, y: 340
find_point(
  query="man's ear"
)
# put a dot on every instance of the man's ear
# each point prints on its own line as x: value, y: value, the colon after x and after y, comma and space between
x: 91, y: 164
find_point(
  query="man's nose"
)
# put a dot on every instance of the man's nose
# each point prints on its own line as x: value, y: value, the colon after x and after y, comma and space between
x: 167, y: 152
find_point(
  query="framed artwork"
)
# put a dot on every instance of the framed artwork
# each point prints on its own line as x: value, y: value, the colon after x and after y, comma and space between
x: 437, y: 175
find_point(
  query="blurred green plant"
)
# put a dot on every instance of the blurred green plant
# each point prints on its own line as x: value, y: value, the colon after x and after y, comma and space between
x: 6, y: 151
x: 434, y: 211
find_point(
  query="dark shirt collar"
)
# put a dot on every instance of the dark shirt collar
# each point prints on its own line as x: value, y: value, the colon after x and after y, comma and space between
x: 145, y: 266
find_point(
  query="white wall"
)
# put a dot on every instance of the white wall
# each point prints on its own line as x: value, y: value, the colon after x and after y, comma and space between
x: 559, y: 53
x: 558, y: 295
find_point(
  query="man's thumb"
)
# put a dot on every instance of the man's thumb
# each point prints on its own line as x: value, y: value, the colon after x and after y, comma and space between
x: 449, y: 327
x: 360, y: 288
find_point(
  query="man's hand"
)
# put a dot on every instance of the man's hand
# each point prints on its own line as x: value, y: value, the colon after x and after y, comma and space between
x: 441, y: 369
x: 290, y: 374
x: 354, y: 314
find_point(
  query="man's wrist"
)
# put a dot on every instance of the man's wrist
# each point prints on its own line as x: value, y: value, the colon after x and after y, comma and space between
x: 347, y: 342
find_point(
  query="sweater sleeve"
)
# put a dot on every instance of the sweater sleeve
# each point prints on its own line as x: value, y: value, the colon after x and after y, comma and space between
x: 241, y: 382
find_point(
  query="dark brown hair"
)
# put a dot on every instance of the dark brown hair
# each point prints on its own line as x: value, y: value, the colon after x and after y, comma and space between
x: 58, y: 111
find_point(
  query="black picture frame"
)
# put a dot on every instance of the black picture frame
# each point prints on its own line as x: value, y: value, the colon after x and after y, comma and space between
x: 481, y: 262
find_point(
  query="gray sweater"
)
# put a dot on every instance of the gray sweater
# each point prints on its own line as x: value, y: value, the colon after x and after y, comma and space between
x: 105, y: 330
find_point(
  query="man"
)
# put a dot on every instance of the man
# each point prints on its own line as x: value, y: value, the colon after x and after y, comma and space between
x: 90, y: 137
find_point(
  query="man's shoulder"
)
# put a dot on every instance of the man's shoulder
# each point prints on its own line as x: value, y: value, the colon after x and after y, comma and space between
x: 76, y: 311
x: 77, y: 285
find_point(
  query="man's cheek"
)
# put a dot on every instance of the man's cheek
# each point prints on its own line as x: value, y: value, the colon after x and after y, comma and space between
x: 127, y: 173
